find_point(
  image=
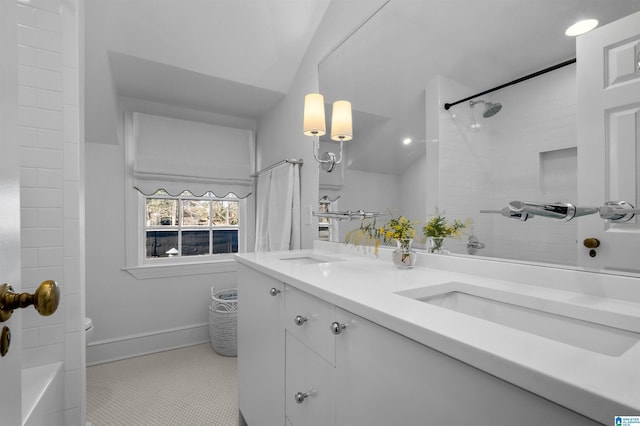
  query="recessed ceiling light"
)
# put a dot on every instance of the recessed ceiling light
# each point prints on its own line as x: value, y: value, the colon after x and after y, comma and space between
x: 406, y: 141
x: 581, y: 27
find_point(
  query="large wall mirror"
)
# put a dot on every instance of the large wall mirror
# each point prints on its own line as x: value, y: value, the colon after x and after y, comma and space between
x: 409, y: 155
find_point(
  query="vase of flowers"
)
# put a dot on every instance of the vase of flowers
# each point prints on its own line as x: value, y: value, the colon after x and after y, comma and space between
x: 398, y: 229
x: 403, y: 256
x: 436, y: 244
x: 438, y: 229
x: 402, y: 231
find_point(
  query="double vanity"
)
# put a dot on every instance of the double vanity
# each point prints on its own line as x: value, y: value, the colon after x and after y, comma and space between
x: 335, y: 336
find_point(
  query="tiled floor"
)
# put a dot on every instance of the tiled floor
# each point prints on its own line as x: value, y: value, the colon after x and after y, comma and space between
x: 191, y: 386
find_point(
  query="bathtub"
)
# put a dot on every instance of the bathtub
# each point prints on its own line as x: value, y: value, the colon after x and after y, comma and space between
x: 42, y: 395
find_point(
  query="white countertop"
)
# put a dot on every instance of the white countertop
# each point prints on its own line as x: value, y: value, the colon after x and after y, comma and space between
x: 596, y: 385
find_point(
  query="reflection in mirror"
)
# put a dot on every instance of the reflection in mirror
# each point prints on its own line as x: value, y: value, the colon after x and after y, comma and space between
x: 408, y: 60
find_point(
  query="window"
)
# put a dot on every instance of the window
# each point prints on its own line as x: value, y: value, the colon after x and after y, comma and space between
x: 187, y: 226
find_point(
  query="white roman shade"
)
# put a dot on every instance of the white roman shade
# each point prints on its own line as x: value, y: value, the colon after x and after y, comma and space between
x: 178, y: 155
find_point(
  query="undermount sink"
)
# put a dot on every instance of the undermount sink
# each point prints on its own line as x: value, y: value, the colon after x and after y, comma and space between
x: 584, y: 327
x: 307, y: 260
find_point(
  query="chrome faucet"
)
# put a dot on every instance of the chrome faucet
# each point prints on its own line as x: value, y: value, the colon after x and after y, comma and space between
x: 506, y: 212
x: 558, y: 210
x: 617, y: 211
x: 611, y: 211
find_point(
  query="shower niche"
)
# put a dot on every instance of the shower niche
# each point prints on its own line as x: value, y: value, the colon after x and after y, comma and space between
x: 559, y: 174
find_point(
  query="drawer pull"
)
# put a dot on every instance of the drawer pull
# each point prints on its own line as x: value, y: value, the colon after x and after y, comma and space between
x: 274, y: 291
x: 299, y: 320
x: 336, y: 328
x: 300, y: 397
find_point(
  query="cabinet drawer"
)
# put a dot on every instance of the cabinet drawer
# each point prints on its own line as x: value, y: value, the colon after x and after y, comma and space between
x: 309, y: 391
x: 309, y: 319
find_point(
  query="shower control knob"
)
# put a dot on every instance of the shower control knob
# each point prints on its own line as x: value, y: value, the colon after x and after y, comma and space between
x: 300, y: 320
x: 274, y: 291
x: 300, y: 397
x: 591, y: 243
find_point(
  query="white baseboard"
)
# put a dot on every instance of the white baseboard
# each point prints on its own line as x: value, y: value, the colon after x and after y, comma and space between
x: 131, y: 346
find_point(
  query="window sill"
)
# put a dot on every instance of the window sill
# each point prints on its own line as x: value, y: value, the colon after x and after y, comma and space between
x: 182, y: 269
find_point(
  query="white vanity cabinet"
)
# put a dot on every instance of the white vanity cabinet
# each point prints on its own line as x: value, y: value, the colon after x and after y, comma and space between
x: 383, y: 378
x: 303, y: 361
x: 261, y: 348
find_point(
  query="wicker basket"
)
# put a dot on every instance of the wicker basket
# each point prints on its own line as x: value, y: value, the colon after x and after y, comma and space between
x: 223, y: 321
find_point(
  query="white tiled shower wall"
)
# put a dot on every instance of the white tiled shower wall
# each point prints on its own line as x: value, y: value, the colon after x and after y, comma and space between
x: 503, y: 161
x: 51, y: 189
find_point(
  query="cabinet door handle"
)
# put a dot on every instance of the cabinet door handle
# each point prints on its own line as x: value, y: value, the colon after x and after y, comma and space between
x: 336, y: 328
x: 274, y: 291
x: 300, y: 397
x: 299, y: 320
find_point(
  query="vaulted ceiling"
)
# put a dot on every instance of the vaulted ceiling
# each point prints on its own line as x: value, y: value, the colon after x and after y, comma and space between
x: 228, y: 57
x: 237, y: 58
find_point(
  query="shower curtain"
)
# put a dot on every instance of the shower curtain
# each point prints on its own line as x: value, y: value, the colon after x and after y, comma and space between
x: 278, y: 209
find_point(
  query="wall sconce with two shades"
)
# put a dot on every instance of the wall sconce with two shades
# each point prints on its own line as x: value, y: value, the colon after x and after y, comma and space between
x: 314, y: 125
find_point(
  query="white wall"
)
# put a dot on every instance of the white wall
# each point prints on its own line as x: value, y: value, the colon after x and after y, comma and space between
x: 412, y: 191
x: 522, y: 153
x: 52, y: 221
x: 157, y: 313
x: 373, y: 192
x: 462, y: 170
x: 279, y: 133
x: 134, y: 316
x: 378, y: 192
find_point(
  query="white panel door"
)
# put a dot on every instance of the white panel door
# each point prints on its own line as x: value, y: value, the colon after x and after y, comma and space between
x: 10, y: 383
x: 608, y: 91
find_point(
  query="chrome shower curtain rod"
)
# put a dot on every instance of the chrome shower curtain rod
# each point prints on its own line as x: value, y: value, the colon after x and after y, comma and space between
x: 292, y: 161
x: 519, y: 80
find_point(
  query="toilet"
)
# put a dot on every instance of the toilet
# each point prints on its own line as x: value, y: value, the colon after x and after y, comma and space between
x: 88, y: 329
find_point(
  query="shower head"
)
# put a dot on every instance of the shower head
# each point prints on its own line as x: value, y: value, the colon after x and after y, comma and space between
x: 490, y: 108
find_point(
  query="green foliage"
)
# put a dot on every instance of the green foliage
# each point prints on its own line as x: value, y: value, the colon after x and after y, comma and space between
x: 438, y: 226
x: 398, y: 228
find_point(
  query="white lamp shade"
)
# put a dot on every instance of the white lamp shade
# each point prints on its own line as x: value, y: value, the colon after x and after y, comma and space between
x: 314, y: 123
x: 341, y: 123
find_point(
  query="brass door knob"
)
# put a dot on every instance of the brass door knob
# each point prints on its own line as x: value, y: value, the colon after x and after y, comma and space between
x: 591, y: 243
x: 45, y: 300
x: 5, y: 340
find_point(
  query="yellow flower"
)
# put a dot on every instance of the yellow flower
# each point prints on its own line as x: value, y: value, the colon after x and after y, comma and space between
x: 398, y: 228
